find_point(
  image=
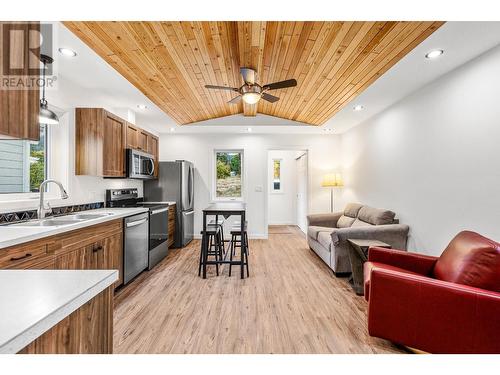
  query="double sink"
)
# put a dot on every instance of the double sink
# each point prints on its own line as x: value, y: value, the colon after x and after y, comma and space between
x: 61, y: 220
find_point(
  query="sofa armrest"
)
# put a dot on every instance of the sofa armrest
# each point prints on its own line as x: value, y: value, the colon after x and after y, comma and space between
x: 433, y: 315
x: 324, y: 220
x: 418, y: 263
x: 393, y: 234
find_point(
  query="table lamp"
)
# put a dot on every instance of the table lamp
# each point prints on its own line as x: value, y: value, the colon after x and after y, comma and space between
x: 332, y: 180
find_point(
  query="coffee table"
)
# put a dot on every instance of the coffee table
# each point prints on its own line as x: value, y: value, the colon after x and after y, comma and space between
x: 358, y: 255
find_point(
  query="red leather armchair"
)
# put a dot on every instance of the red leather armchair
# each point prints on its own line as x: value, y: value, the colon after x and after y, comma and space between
x: 446, y: 304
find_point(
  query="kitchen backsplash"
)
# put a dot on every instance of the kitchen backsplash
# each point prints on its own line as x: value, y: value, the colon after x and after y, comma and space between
x: 12, y: 217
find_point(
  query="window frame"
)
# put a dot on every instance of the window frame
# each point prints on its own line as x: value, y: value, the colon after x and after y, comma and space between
x: 214, y: 175
x: 46, y: 149
x: 273, y: 190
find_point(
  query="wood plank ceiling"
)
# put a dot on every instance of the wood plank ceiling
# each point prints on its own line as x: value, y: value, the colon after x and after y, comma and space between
x: 333, y: 62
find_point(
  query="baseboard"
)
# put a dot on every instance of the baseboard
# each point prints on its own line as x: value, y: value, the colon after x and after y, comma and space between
x: 294, y: 224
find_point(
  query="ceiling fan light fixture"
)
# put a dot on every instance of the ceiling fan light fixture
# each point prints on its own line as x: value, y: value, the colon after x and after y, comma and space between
x: 251, y: 97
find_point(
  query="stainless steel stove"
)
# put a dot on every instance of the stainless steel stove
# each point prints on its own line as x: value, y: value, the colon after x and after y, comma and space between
x: 158, y: 220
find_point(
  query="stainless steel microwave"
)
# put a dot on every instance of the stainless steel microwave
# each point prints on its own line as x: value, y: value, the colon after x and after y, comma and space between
x: 140, y: 165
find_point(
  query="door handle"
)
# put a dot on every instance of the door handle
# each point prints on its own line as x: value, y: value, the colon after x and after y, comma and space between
x: 190, y: 213
x: 159, y: 210
x: 135, y: 223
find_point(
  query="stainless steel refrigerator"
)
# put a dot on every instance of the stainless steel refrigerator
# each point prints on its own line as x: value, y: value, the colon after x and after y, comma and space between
x: 175, y: 183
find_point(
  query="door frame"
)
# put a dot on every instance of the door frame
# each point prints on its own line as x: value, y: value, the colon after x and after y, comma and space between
x: 305, y: 149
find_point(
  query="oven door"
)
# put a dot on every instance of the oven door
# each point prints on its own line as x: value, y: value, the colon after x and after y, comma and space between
x: 158, y: 226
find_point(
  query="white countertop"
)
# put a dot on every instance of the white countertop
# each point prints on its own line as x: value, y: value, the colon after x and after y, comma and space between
x: 170, y: 203
x: 33, y: 301
x: 13, y: 235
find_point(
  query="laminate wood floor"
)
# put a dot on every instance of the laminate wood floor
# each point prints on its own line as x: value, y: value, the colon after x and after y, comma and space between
x: 291, y: 303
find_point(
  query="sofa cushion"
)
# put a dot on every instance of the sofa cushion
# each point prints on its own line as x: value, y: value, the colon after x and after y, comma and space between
x: 472, y: 260
x: 376, y: 216
x: 325, y: 239
x: 360, y: 223
x: 345, y: 221
x: 367, y: 273
x: 352, y: 209
x: 313, y: 231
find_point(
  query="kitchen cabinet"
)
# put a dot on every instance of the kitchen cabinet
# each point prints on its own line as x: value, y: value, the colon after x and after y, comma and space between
x: 142, y: 143
x: 153, y: 149
x: 171, y: 225
x: 88, y: 330
x: 99, y: 143
x: 132, y: 136
x: 20, y: 108
x: 96, y: 247
x: 101, y: 140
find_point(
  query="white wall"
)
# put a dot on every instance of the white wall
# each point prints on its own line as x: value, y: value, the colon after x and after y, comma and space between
x: 434, y: 157
x: 198, y: 148
x: 282, y: 204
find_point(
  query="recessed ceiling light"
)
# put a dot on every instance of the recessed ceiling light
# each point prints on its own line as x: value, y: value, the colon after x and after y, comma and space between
x: 434, y: 53
x: 67, y: 52
x: 358, y: 107
x: 249, y: 130
x: 172, y: 129
x: 142, y: 106
x: 327, y: 129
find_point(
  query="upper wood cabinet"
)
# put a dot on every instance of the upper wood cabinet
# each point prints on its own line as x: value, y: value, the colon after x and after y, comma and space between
x: 19, y: 108
x: 142, y: 142
x: 100, y: 141
x: 132, y: 136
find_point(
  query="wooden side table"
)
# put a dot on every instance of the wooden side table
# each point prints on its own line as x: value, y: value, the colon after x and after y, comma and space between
x: 358, y: 255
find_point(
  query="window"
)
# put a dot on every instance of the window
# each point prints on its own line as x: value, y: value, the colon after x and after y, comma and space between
x: 23, y: 164
x: 228, y: 172
x: 276, y: 175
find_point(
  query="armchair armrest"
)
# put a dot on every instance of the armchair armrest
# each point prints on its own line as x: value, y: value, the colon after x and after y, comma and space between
x: 433, y: 315
x: 418, y: 263
x: 324, y: 220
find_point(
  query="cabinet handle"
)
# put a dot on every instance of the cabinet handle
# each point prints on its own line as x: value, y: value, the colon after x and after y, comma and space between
x: 27, y: 255
x: 96, y: 249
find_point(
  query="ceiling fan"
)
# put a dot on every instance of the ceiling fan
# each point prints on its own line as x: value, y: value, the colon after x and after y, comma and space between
x: 252, y: 92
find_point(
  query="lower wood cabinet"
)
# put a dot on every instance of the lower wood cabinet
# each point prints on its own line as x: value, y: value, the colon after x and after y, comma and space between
x: 171, y: 225
x: 88, y: 330
x: 96, y: 247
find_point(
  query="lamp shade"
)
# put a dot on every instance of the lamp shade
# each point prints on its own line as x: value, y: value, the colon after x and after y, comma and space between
x: 332, y: 180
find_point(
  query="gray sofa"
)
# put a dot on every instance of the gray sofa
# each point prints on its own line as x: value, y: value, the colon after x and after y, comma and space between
x: 327, y: 234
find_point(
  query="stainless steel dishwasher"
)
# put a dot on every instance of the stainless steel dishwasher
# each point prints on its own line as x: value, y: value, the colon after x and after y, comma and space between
x: 136, y: 246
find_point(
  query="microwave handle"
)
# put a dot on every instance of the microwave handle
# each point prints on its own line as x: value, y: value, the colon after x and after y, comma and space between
x: 152, y: 167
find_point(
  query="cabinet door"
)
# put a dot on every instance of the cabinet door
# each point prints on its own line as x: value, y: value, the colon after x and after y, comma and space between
x: 131, y: 136
x: 20, y: 108
x: 72, y: 260
x: 89, y: 140
x: 113, y: 149
x: 114, y: 248
x: 142, y: 143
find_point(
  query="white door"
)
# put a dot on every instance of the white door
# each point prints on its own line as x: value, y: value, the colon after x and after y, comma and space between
x: 301, y: 164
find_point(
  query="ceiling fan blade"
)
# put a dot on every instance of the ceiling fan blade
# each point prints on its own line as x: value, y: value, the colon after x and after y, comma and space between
x: 269, y: 98
x: 248, y: 75
x: 221, y: 87
x: 235, y: 100
x: 280, y: 84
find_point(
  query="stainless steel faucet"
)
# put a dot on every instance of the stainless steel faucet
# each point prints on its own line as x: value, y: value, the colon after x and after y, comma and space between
x: 42, y: 211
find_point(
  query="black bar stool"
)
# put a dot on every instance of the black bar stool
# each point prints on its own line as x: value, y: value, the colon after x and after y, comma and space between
x: 220, y: 224
x: 237, y: 223
x: 240, y: 240
x: 214, y: 248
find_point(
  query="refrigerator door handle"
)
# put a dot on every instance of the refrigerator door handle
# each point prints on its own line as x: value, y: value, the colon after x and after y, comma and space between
x: 188, y: 213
